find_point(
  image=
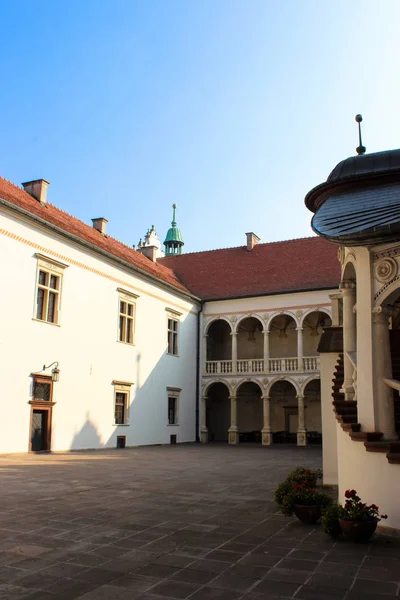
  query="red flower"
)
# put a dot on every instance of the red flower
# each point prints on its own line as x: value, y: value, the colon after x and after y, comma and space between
x: 384, y: 516
x: 374, y: 507
x: 348, y: 494
x: 296, y: 486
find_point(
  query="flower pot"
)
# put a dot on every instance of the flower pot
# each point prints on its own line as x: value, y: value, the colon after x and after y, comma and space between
x: 307, y: 514
x: 358, y: 531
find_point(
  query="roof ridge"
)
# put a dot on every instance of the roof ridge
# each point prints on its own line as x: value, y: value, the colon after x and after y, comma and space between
x: 309, y: 237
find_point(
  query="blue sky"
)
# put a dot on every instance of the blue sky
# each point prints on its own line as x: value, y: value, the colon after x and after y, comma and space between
x: 233, y: 109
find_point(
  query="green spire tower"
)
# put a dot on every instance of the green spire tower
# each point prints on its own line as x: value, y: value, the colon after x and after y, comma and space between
x: 173, y: 242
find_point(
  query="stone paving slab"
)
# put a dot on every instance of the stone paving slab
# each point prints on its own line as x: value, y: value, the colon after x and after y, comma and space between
x: 174, y: 522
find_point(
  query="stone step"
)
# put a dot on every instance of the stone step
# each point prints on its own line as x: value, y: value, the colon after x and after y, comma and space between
x: 366, y: 436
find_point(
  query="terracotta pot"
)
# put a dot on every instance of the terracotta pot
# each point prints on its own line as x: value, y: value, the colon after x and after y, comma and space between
x: 358, y: 531
x: 307, y: 514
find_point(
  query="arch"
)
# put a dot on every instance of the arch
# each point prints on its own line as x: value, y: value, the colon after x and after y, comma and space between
x: 312, y: 403
x: 250, y: 338
x: 249, y: 411
x: 277, y: 313
x: 322, y: 309
x: 218, y: 411
x: 349, y: 270
x: 282, y: 378
x: 219, y: 340
x: 207, y: 386
x: 315, y: 377
x: 249, y: 380
x: 284, y: 410
x: 388, y: 293
x: 208, y: 325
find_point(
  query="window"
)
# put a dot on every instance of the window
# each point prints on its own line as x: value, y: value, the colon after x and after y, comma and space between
x: 48, y: 290
x: 173, y: 330
x: 122, y: 391
x: 126, y: 324
x: 41, y: 391
x: 173, y: 405
x: 172, y: 336
x: 172, y: 412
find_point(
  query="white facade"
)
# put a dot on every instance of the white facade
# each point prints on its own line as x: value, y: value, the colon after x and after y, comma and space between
x: 85, y: 344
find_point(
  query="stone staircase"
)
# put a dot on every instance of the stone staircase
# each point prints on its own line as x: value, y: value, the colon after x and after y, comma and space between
x: 347, y: 414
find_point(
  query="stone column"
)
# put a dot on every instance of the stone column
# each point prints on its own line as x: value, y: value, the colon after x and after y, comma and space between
x: 300, y: 349
x: 234, y: 352
x: 266, y: 433
x: 383, y: 394
x: 204, y: 353
x: 266, y: 351
x: 301, y: 427
x: 349, y: 335
x: 203, y: 421
x: 233, y: 436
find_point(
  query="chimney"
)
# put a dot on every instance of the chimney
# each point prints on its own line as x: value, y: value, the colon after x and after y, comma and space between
x: 37, y: 189
x: 100, y: 224
x: 150, y: 252
x: 252, y: 240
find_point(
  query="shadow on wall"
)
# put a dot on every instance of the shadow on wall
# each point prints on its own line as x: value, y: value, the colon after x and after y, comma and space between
x: 145, y: 426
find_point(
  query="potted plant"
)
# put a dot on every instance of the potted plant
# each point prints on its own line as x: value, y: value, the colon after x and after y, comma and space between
x: 330, y: 521
x: 357, y: 520
x: 305, y: 502
x: 301, y: 475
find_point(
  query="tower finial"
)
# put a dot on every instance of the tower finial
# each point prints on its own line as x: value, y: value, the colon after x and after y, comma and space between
x: 174, y: 216
x: 173, y: 242
x: 361, y: 149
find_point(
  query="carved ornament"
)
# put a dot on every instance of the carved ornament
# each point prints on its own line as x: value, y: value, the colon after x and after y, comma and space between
x: 386, y: 270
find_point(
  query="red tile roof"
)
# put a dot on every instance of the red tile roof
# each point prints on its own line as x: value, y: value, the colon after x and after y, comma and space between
x: 64, y: 221
x: 289, y: 266
x: 295, y: 265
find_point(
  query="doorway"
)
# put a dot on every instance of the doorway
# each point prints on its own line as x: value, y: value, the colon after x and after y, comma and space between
x: 39, y: 431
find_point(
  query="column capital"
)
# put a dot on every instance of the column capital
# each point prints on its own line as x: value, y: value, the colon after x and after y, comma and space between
x: 299, y: 328
x: 265, y: 397
x: 233, y: 333
x: 266, y: 331
x: 233, y: 397
x: 347, y: 288
x: 381, y: 314
x: 300, y: 397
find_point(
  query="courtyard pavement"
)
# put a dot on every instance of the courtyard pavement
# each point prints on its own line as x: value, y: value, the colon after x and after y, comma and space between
x: 174, y: 522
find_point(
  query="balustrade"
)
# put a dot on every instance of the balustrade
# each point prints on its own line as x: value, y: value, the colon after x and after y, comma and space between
x: 309, y: 364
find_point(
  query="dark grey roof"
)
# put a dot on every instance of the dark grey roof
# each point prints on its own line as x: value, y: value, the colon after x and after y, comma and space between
x: 366, y: 164
x: 360, y: 216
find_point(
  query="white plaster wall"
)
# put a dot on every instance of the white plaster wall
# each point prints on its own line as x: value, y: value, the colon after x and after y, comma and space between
x: 87, y: 349
x: 376, y: 481
x: 328, y: 363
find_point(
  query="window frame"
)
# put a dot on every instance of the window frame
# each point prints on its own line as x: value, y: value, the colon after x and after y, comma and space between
x: 51, y: 268
x: 173, y: 315
x: 122, y: 387
x: 130, y: 299
x: 173, y: 392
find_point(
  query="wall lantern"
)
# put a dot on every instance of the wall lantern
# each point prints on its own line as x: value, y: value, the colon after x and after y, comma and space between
x: 55, y: 373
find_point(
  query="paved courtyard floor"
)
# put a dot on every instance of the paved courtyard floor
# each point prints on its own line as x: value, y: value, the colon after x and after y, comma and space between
x: 174, y: 522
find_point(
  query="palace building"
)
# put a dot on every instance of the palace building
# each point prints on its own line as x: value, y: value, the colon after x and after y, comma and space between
x: 109, y: 345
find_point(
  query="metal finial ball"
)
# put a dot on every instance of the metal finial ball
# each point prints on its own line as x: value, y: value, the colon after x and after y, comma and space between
x: 174, y: 206
x: 358, y: 118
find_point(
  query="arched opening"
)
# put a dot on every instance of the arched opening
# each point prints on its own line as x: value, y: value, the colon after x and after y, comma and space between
x: 312, y: 411
x: 284, y: 412
x: 219, y: 341
x: 249, y: 412
x: 313, y: 327
x: 250, y: 339
x: 349, y: 295
x: 283, y: 344
x: 218, y: 412
x: 393, y: 304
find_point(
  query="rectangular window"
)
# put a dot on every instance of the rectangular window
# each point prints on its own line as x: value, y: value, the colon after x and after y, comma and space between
x: 120, y: 408
x: 172, y: 412
x: 172, y: 336
x: 126, y: 322
x: 173, y: 405
x: 48, y: 289
x: 122, y: 392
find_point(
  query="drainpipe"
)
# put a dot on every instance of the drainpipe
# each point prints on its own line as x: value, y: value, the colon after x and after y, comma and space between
x: 198, y: 373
